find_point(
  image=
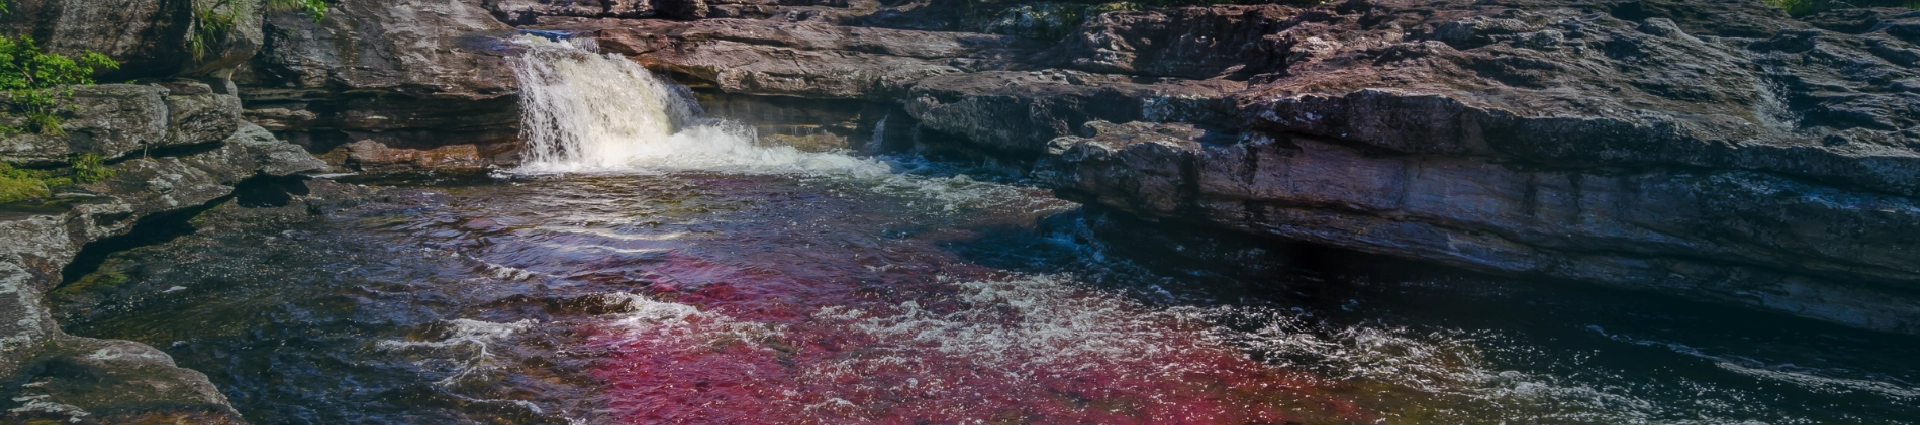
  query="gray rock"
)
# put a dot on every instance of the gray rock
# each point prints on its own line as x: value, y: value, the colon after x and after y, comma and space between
x: 64, y: 377
x: 1724, y: 235
x: 148, y: 37
x: 118, y: 120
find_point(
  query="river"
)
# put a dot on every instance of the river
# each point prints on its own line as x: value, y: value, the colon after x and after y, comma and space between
x: 649, y: 264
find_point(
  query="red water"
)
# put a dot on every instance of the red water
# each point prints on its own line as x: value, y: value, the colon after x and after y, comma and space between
x: 772, y: 348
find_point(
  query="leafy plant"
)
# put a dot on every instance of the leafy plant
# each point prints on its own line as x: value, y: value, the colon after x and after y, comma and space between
x: 17, y: 184
x: 314, y: 8
x: 213, y: 23
x: 89, y: 168
x: 35, y: 81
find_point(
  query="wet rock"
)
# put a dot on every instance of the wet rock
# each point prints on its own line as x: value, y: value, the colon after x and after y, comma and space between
x: 55, y: 376
x: 1725, y: 235
x: 372, y: 156
x: 113, y: 382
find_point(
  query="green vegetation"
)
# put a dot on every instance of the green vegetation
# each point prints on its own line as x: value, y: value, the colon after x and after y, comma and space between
x: 1809, y: 7
x: 17, y: 184
x: 213, y: 23
x: 90, y: 168
x: 35, y: 81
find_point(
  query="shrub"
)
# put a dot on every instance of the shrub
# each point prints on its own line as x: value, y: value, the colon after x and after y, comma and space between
x: 212, y: 24
x: 17, y: 184
x: 33, y: 80
x: 89, y: 168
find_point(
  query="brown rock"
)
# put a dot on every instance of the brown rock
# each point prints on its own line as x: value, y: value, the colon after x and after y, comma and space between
x: 372, y: 156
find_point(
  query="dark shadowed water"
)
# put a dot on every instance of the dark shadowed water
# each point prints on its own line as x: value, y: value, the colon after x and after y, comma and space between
x: 690, y: 297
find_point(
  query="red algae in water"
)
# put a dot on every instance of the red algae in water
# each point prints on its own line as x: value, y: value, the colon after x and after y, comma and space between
x: 1000, y: 349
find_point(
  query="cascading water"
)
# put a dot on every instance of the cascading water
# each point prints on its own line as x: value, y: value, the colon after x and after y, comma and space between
x: 583, y: 111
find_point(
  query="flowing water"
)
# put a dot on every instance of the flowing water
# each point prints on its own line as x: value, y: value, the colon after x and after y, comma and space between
x: 653, y: 265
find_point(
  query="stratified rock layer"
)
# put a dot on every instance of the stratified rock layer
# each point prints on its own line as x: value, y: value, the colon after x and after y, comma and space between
x: 1770, y: 163
x: 413, y: 74
x: 57, y: 376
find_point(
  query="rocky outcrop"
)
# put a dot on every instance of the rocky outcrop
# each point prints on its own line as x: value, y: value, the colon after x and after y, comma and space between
x: 119, y: 120
x: 408, y: 74
x: 803, y: 59
x: 1746, y: 157
x: 62, y: 377
x: 150, y: 38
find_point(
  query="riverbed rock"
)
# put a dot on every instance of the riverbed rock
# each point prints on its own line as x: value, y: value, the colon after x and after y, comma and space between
x: 412, y: 73
x: 371, y: 156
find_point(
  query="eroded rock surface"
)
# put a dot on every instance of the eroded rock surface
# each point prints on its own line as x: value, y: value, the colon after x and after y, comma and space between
x: 121, y: 120
x: 414, y: 74
x: 148, y: 37
x: 1723, y: 152
x: 174, y: 147
x: 93, y: 381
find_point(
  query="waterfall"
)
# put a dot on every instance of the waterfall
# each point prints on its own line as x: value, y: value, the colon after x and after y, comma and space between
x: 583, y: 111
x: 879, y: 140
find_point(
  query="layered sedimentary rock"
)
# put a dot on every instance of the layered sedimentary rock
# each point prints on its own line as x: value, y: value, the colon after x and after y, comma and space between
x: 1717, y: 149
x: 1768, y: 162
x: 174, y: 143
x: 408, y: 74
x: 201, y: 157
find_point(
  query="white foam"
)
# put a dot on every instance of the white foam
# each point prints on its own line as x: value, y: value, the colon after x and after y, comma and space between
x: 1017, y: 325
x: 588, y: 112
x: 469, y: 339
